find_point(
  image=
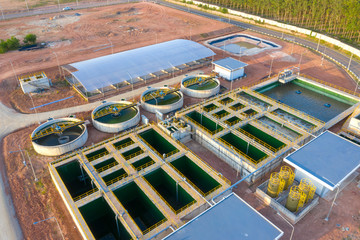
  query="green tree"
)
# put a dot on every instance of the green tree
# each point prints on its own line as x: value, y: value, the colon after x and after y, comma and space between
x: 30, y: 39
x: 3, y: 46
x: 13, y: 43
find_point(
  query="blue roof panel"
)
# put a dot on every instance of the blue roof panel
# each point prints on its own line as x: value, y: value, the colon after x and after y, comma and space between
x: 230, y: 63
x: 328, y: 158
x: 232, y: 218
x: 119, y: 67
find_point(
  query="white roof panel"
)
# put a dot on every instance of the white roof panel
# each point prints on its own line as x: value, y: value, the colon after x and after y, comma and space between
x: 328, y: 158
x: 112, y: 69
x: 231, y: 218
x: 230, y: 63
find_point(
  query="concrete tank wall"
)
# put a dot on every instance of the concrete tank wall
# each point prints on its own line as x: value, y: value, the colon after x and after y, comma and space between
x: 115, y: 127
x: 161, y: 108
x: 199, y: 93
x: 61, y: 148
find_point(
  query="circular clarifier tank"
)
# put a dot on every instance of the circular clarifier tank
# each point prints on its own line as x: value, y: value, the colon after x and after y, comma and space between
x: 113, y: 117
x: 200, y: 86
x: 163, y: 99
x: 58, y: 136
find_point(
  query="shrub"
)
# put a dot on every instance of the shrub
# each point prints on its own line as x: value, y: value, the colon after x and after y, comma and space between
x: 30, y: 39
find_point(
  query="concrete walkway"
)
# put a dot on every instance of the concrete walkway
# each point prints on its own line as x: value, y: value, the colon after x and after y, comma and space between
x: 10, y: 121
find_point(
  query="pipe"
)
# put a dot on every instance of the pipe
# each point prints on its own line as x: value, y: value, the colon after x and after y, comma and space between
x: 249, y: 175
x: 163, y: 231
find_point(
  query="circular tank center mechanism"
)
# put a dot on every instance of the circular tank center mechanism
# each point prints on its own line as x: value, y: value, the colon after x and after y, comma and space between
x: 59, y: 136
x: 63, y: 139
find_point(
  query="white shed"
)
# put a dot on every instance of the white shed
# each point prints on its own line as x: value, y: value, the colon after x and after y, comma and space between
x: 229, y: 68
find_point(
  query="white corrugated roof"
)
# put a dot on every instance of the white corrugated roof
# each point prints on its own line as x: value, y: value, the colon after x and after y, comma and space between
x: 112, y: 69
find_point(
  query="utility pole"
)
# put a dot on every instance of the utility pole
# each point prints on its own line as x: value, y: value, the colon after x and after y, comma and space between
x: 57, y: 60
x: 2, y: 13
x: 272, y: 60
x: 318, y: 45
x: 12, y: 66
x: 27, y: 6
x: 323, y: 55
x: 350, y: 61
x: 111, y: 45
x: 32, y: 168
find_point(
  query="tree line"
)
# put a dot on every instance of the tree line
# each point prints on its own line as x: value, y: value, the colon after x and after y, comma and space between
x: 13, y: 43
x: 339, y: 18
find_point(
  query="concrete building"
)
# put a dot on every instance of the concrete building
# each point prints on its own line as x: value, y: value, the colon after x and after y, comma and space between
x: 34, y: 82
x: 328, y: 161
x: 229, y: 68
x: 231, y: 218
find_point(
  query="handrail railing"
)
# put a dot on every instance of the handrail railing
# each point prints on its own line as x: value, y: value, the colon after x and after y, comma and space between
x: 77, y: 198
x: 66, y: 194
x: 144, y: 165
x: 210, y: 109
x: 351, y: 92
x: 199, y: 160
x: 106, y: 167
x: 92, y: 158
x: 124, y: 145
x: 108, y: 183
x: 171, y: 153
x: 233, y: 122
x: 249, y: 135
x: 295, y: 123
x: 249, y: 159
x: 221, y: 115
x: 274, y: 130
x: 134, y: 154
x: 153, y: 226
x: 202, y: 127
x: 151, y: 147
x: 122, y: 208
x: 237, y: 108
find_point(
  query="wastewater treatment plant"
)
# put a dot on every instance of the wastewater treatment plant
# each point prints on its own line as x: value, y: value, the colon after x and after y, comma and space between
x: 134, y: 185
x: 252, y: 127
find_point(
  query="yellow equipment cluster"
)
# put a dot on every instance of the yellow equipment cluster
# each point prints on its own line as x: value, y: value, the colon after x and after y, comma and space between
x: 280, y: 181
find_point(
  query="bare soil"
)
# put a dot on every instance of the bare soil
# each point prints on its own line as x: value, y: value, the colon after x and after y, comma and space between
x: 96, y: 32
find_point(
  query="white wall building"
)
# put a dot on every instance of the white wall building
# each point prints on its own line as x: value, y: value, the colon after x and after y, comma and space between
x: 328, y: 161
x: 229, y: 68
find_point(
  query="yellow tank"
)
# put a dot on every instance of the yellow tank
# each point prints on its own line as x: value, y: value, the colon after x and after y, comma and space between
x: 293, y: 199
x: 287, y: 174
x: 308, y: 188
x: 275, y: 185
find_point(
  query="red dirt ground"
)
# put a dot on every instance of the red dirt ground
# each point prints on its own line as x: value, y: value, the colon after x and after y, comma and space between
x: 76, y: 38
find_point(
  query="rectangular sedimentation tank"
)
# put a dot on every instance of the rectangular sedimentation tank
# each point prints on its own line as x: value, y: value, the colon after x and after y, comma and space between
x: 134, y: 185
x: 252, y: 128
